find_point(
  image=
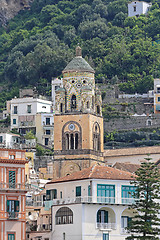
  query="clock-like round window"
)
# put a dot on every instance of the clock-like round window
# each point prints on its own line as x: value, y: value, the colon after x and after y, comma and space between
x: 71, y: 127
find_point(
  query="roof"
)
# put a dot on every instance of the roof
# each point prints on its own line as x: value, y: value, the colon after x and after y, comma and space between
x: 78, y: 64
x: 126, y: 167
x: 131, y: 151
x: 96, y: 172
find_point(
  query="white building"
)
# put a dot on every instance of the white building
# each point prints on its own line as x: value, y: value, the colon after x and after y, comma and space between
x: 9, y: 140
x: 24, y: 110
x: 90, y: 205
x: 136, y: 8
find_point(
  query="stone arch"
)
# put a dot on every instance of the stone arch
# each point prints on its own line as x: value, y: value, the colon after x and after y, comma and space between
x: 71, y: 136
x: 69, y: 168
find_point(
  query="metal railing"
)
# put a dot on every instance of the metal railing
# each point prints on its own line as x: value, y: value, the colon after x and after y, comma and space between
x: 13, y: 215
x: 106, y: 225
x: 124, y: 231
x: 101, y: 199
x: 44, y: 227
x: 13, y: 186
x: 128, y: 200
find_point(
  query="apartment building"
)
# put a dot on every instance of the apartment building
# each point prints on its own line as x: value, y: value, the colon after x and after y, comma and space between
x: 12, y: 194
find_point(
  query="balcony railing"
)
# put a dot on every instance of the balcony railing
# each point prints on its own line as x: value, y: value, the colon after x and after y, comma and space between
x: 13, y: 186
x: 106, y: 226
x: 88, y: 199
x: 44, y: 227
x: 101, y: 199
x: 13, y: 215
x: 124, y: 231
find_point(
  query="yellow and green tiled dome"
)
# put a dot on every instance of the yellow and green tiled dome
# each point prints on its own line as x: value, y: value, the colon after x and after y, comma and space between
x: 78, y: 64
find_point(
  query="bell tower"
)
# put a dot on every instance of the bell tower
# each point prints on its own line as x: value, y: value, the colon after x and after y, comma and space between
x: 78, y: 122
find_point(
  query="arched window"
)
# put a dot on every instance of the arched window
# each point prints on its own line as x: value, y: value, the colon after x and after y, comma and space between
x: 98, y: 110
x: 73, y: 103
x: 87, y: 104
x: 96, y: 137
x: 61, y: 108
x: 64, y: 215
x: 72, y: 141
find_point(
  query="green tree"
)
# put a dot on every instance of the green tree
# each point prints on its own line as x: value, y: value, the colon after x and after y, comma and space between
x: 145, y: 224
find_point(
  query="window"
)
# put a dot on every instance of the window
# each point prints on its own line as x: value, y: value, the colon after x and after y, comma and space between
x: 51, y: 194
x: 89, y: 190
x: 102, y: 216
x: 87, y: 104
x: 64, y: 216
x: 47, y: 121
x: 46, y: 141
x: 15, y: 110
x: 105, y: 236
x: 48, y: 132
x: 11, y: 236
x: 73, y: 103
x: 105, y: 193
x: 64, y: 236
x: 61, y: 195
x: 1, y: 139
x: 28, y: 108
x: 96, y: 137
x: 12, y: 179
x: 134, y: 8
x: 127, y: 194
x: 12, y: 208
x: 98, y: 110
x: 11, y: 156
x: 14, y: 121
x: 61, y: 107
x: 158, y: 99
x: 125, y: 220
x: 78, y: 191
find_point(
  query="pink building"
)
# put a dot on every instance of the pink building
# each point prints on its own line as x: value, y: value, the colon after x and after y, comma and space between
x: 12, y: 195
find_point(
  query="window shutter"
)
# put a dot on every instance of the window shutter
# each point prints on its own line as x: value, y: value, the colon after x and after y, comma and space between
x: 8, y: 205
x: 16, y: 206
x: 48, y: 194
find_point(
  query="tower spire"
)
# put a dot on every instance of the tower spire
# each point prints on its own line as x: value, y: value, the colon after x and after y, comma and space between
x: 78, y: 51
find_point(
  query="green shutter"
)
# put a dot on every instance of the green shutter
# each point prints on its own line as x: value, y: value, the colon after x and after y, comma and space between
x: 48, y: 194
x: 16, y: 205
x: 12, y: 179
x: 8, y: 205
x: 106, y: 216
x: 78, y: 191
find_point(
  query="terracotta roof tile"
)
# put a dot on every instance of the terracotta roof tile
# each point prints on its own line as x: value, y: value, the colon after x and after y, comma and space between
x: 126, y: 167
x: 96, y: 172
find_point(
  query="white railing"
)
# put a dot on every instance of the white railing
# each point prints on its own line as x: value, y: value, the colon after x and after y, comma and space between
x: 102, y: 226
x: 124, y: 231
x: 128, y: 200
x: 101, y: 199
x: 89, y: 199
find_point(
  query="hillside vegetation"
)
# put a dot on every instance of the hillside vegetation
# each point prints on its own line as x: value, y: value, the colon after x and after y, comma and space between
x: 38, y: 43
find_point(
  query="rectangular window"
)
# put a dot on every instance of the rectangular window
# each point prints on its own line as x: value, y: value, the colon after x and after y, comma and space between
x: 1, y: 139
x: 11, y: 236
x: 78, y: 191
x: 158, y: 99
x: 48, y: 132
x: 12, y: 179
x: 14, y: 121
x: 15, y: 109
x: 127, y: 194
x: 134, y: 8
x: 28, y: 108
x: 60, y: 194
x: 51, y: 194
x: 12, y: 206
x: 125, y: 220
x: 47, y: 121
x: 105, y: 236
x: 106, y: 193
x: 46, y: 141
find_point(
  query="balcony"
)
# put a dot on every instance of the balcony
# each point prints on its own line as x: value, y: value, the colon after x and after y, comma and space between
x: 13, y: 215
x: 110, y: 200
x: 44, y: 227
x: 106, y: 226
x: 13, y: 186
x: 124, y: 231
x: 128, y: 201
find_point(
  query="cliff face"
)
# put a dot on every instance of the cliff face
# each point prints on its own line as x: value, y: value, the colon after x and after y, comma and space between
x: 9, y: 8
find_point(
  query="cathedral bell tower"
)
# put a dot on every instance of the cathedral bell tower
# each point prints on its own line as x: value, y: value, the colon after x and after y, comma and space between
x: 78, y: 122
